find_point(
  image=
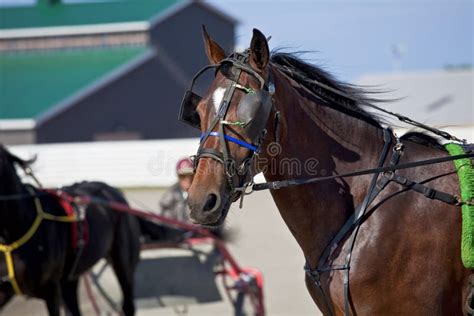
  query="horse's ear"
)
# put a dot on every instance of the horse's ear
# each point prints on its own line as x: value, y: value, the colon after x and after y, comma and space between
x: 214, y: 52
x: 259, y: 52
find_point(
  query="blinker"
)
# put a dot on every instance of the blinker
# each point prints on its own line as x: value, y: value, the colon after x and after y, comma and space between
x: 252, y: 111
x: 188, y: 111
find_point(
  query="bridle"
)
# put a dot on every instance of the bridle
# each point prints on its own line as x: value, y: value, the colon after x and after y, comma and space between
x: 253, y: 112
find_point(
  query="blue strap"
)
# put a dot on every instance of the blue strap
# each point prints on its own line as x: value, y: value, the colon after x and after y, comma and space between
x: 234, y: 140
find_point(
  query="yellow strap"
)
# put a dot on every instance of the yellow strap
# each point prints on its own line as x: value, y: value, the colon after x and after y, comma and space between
x: 11, y: 272
x: 34, y: 227
x: 50, y: 217
x: 7, y: 249
x: 63, y: 219
x: 27, y: 236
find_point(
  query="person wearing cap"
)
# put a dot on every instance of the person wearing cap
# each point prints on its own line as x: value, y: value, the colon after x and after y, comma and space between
x: 173, y: 203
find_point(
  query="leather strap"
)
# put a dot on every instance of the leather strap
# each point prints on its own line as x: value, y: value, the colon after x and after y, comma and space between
x: 314, y: 274
x: 351, y: 223
x: 293, y: 182
x: 373, y: 192
x: 354, y: 222
x: 423, y: 189
x: 211, y: 153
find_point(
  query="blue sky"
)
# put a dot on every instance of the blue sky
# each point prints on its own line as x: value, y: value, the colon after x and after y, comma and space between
x: 353, y: 37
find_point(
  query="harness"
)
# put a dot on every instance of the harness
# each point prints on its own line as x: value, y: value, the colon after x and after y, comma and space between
x: 253, y: 112
x: 7, y: 249
x: 381, y: 175
x: 360, y: 215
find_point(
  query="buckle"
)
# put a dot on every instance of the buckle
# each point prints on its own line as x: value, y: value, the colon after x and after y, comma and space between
x: 389, y: 174
x: 275, y: 185
x: 429, y: 192
x: 312, y: 273
x: 271, y: 88
x: 398, y: 147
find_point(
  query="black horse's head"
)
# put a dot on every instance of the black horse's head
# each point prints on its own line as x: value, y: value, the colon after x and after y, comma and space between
x: 10, y: 181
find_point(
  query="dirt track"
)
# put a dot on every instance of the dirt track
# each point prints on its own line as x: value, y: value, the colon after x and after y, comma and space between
x: 262, y: 240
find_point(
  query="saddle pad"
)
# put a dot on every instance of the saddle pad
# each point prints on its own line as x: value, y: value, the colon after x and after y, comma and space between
x: 465, y: 173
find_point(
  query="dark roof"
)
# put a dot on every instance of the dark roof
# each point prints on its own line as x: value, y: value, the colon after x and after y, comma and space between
x: 61, y: 14
x: 31, y: 83
x: 37, y: 83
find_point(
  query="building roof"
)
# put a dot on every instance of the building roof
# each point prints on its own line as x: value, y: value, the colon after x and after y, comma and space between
x: 32, y: 82
x: 37, y: 84
x: 103, y: 12
x: 439, y: 98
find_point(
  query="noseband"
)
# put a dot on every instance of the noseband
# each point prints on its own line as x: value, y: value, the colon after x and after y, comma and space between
x: 253, y: 112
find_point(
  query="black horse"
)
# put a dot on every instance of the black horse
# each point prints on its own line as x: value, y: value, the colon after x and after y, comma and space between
x: 43, y: 265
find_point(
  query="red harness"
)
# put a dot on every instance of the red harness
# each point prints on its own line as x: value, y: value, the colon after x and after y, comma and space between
x: 72, y: 209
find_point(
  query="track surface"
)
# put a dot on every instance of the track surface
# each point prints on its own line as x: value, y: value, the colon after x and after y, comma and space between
x: 261, y: 240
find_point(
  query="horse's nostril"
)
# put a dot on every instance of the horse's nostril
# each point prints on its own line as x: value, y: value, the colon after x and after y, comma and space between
x: 210, y: 203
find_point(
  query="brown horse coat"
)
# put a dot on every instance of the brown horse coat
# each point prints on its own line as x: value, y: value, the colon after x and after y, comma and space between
x: 406, y: 260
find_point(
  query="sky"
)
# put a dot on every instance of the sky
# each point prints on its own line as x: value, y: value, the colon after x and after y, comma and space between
x: 355, y: 37
x: 350, y: 38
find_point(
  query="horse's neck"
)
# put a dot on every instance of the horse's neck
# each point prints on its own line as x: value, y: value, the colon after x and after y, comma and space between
x: 16, y: 215
x: 321, y: 141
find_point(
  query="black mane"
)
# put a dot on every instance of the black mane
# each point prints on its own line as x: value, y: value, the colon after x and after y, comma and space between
x: 356, y: 97
x: 15, y: 159
x: 306, y: 74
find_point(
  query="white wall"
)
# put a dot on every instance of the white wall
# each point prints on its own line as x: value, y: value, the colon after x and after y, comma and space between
x: 121, y: 163
x: 461, y: 132
x: 126, y: 164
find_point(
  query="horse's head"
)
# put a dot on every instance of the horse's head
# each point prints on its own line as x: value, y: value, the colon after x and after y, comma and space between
x: 232, y: 117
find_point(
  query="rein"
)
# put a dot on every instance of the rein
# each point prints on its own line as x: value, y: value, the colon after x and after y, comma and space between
x: 274, y: 185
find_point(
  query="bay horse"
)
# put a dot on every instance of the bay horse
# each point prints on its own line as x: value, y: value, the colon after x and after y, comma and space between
x: 291, y: 119
x: 43, y: 264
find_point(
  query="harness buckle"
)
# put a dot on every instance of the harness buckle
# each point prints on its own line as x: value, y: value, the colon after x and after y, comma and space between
x: 429, y: 192
x: 389, y: 174
x: 275, y: 185
x: 398, y: 147
x: 81, y: 211
x: 314, y: 274
x: 271, y: 88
